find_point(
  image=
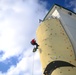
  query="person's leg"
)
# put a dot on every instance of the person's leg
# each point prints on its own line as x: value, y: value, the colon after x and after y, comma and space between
x: 37, y: 46
x: 35, y: 49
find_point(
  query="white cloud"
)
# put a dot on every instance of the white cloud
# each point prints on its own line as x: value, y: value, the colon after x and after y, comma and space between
x: 71, y: 3
x: 28, y: 65
x: 18, y: 24
x: 75, y: 10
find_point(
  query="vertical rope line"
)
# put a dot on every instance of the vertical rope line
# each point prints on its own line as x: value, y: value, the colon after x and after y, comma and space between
x: 33, y: 65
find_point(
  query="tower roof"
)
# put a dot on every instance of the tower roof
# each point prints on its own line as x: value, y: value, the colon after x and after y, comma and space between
x: 56, y: 6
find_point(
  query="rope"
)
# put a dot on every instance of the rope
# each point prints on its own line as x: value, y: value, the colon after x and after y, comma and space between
x: 33, y: 65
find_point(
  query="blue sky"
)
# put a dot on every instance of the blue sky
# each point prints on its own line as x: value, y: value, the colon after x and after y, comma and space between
x: 70, y: 4
x: 52, y: 2
x: 18, y: 24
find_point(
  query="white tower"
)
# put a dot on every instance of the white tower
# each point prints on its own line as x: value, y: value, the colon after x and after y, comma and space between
x: 56, y: 37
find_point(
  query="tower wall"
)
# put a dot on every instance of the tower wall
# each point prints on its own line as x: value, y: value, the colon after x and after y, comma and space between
x: 54, y: 45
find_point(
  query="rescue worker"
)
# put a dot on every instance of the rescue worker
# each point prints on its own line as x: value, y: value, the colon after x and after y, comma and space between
x: 33, y: 42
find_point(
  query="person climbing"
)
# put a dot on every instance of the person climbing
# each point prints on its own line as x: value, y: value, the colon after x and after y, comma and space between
x: 33, y: 42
